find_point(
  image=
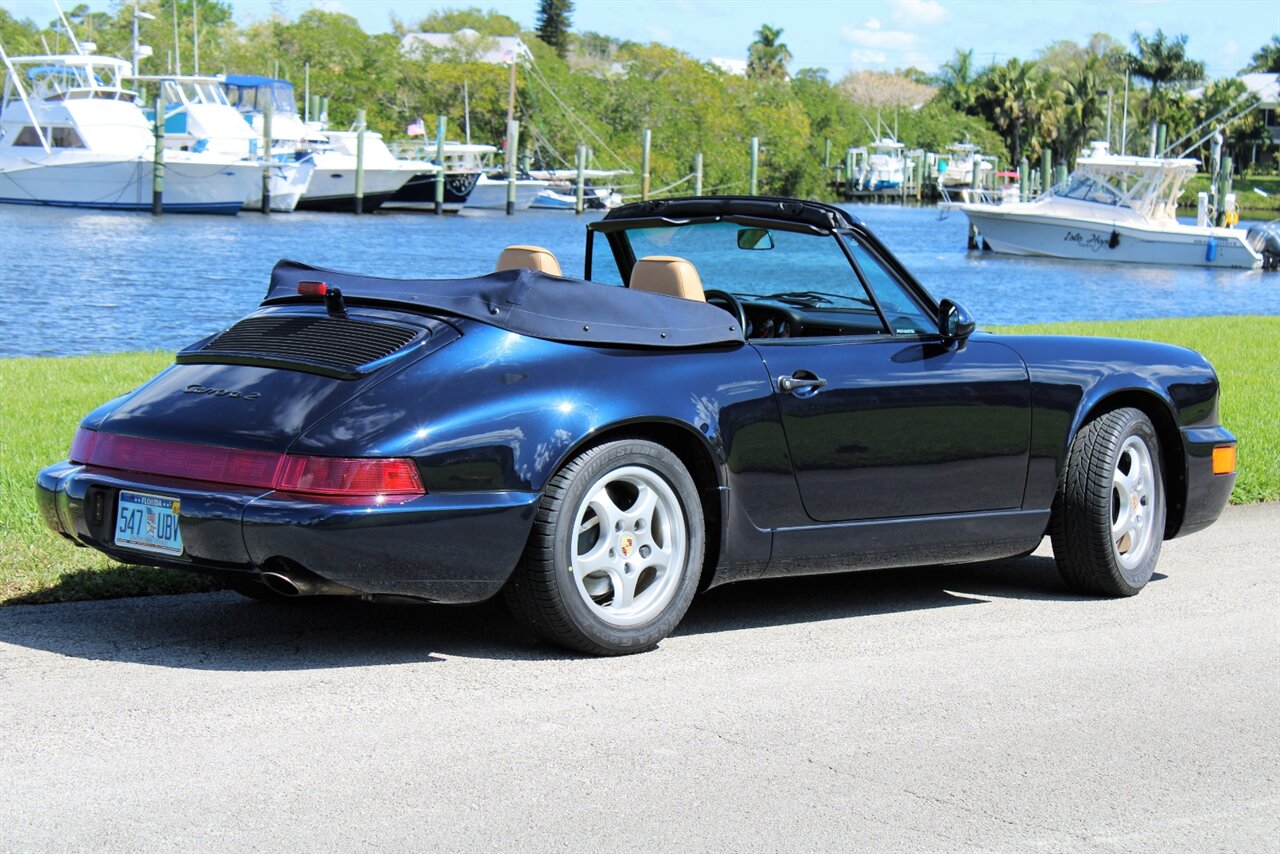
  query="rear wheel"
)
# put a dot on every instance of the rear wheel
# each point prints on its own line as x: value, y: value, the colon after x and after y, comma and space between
x: 616, y: 551
x: 1109, y: 513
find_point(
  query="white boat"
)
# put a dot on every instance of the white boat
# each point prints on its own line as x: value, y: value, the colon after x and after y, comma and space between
x: 956, y: 169
x: 491, y: 193
x: 1111, y: 208
x: 333, y: 184
x: 561, y: 192
x: 72, y: 136
x: 881, y: 165
x: 198, y: 117
x: 463, y: 163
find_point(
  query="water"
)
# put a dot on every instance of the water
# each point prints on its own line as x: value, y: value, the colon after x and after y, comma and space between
x: 88, y: 282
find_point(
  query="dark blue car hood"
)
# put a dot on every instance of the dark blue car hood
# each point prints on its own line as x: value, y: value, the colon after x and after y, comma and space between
x: 532, y: 303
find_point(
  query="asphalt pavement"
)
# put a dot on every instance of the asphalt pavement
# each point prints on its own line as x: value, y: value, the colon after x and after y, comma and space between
x: 978, y: 707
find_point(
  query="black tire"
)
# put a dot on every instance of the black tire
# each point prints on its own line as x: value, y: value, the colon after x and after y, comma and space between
x: 562, y: 609
x: 1098, y: 496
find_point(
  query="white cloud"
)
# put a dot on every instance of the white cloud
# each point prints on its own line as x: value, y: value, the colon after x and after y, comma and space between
x: 873, y: 45
x: 918, y: 11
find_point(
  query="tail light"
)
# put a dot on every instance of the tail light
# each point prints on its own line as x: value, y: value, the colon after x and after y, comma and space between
x: 343, y: 477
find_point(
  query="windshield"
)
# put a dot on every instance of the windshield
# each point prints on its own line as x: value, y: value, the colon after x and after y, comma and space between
x: 753, y: 262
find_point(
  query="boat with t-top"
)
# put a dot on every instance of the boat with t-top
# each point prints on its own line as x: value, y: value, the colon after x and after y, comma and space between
x: 1111, y: 208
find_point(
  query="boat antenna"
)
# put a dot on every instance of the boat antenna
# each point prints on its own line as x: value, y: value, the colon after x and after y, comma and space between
x: 66, y: 25
x: 22, y: 94
x: 1253, y: 102
x: 874, y: 134
x: 195, y: 36
x: 177, y: 51
x: 466, y: 110
x: 1124, y: 123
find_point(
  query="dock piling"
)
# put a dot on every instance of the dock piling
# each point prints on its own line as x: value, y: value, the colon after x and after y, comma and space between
x: 697, y: 174
x: 266, y: 158
x: 826, y: 157
x: 1046, y: 170
x: 646, y: 141
x: 442, y: 123
x: 580, y: 195
x: 754, y: 185
x: 359, y: 203
x: 1024, y: 178
x: 513, y: 149
x: 157, y: 169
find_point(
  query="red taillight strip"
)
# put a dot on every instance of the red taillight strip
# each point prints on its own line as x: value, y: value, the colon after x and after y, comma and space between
x: 256, y: 469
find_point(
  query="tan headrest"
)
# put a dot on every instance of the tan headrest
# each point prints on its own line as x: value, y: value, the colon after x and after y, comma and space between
x: 529, y: 258
x: 666, y: 274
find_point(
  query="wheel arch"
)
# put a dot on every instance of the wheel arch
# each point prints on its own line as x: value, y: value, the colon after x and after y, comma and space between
x: 694, y: 450
x: 1156, y: 406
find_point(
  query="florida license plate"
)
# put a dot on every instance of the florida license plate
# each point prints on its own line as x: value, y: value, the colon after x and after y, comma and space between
x: 148, y: 523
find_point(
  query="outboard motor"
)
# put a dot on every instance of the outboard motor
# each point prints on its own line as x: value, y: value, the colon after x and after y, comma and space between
x: 1265, y: 240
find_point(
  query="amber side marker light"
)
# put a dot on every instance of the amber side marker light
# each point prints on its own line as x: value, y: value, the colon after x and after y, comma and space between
x: 1224, y: 459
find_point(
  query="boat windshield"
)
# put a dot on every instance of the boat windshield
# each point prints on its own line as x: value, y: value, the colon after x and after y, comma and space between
x: 254, y: 98
x: 192, y: 92
x: 1085, y: 188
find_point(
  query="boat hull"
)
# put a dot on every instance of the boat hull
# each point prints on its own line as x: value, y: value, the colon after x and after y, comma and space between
x: 334, y: 188
x: 491, y: 194
x: 1052, y: 237
x: 419, y: 193
x: 189, y: 187
x: 289, y: 183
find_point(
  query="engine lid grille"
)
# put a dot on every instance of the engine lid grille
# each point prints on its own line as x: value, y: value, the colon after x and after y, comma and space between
x: 336, y: 346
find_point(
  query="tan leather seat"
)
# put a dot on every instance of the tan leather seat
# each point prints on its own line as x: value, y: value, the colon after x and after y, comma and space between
x: 529, y: 258
x: 666, y: 274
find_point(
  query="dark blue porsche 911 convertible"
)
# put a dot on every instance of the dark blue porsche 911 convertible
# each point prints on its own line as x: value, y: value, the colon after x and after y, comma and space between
x: 736, y: 388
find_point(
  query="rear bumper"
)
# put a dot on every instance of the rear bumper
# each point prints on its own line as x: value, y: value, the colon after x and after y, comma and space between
x: 449, y: 547
x: 1207, y: 493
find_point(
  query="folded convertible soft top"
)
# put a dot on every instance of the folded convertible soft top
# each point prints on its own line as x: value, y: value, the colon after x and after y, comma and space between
x: 535, y: 304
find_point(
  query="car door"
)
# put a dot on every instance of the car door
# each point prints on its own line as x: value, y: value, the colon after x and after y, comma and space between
x: 901, y: 424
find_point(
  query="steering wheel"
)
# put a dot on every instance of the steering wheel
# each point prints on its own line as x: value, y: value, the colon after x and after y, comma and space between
x: 730, y: 303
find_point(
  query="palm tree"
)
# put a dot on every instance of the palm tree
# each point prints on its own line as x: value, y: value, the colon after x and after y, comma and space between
x: 767, y: 57
x: 1014, y: 97
x: 1163, y: 62
x: 959, y: 81
x: 1082, y: 111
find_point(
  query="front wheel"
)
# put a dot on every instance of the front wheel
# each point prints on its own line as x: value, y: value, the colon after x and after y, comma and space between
x: 1109, y: 513
x: 616, y: 551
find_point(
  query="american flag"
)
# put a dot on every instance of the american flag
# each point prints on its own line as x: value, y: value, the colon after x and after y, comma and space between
x: 417, y: 129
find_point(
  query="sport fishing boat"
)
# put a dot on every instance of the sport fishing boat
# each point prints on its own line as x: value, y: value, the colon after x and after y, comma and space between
x: 881, y: 165
x: 1111, y: 208
x: 463, y: 163
x: 72, y: 136
x: 333, y: 184
x: 198, y: 117
x: 956, y: 168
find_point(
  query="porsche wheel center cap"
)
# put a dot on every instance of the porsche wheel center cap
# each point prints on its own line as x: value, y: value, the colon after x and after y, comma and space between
x: 626, y: 545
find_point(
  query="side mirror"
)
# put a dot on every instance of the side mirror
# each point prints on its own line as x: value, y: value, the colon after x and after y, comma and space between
x: 954, y: 322
x: 755, y: 238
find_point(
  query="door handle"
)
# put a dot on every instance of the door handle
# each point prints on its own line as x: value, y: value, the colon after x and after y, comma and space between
x: 800, y: 380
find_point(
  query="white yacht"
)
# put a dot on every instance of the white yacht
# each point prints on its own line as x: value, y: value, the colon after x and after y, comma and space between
x: 956, y: 168
x: 333, y: 184
x: 198, y: 117
x: 1111, y: 208
x: 71, y: 135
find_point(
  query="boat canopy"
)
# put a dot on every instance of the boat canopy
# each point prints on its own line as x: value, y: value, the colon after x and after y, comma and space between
x: 250, y: 93
x: 1149, y: 185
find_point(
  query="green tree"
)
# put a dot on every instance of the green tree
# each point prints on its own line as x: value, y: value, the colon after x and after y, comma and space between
x: 554, y: 24
x: 490, y: 23
x: 767, y: 57
x: 1014, y: 97
x: 1266, y: 58
x: 1162, y: 61
x: 958, y: 79
x: 1082, y: 112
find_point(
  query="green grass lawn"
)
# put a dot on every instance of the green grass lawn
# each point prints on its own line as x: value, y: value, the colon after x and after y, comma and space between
x: 44, y: 399
x: 1244, y: 351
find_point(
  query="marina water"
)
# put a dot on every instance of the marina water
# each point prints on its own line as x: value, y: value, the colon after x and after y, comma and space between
x: 77, y: 282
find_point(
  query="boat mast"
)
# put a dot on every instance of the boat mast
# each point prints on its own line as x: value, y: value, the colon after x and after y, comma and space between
x: 1124, y: 124
x: 466, y: 110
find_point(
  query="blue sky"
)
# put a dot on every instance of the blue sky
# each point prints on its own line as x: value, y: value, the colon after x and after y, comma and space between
x: 843, y: 36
